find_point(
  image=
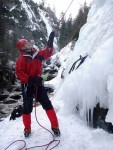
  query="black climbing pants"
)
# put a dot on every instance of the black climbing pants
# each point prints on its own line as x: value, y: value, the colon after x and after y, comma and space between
x: 39, y: 93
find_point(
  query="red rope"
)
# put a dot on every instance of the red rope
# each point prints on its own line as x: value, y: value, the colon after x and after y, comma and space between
x: 47, y: 145
x: 50, y: 133
x: 68, y: 8
x: 17, y: 141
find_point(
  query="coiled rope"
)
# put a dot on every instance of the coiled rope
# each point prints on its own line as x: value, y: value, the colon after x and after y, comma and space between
x: 45, y: 145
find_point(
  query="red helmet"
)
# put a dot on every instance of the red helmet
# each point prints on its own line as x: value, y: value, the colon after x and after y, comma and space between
x: 21, y: 43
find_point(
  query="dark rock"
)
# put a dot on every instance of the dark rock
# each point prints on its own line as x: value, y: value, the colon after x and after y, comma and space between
x: 2, y: 97
x: 1, y: 106
x: 18, y: 89
x: 58, y: 65
x: 50, y: 77
x: 51, y: 71
x: 49, y: 89
x: 99, y: 115
x: 1, y: 120
x: 48, y: 62
x: 10, y: 101
x: 107, y: 126
x: 2, y: 112
x: 15, y: 97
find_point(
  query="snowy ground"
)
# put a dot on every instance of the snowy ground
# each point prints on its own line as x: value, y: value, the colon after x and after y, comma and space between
x: 75, y: 134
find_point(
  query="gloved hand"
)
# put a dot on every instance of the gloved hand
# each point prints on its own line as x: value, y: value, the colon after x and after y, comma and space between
x: 35, y: 81
x: 39, y: 81
x: 51, y: 38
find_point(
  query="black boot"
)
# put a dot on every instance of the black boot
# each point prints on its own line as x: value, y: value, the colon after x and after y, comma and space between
x: 27, y: 134
x: 56, y: 131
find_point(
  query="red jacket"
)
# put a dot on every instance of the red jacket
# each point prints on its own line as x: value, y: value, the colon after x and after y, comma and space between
x: 26, y: 68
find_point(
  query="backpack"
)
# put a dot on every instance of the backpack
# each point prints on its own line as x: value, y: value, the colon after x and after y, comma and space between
x: 17, y: 112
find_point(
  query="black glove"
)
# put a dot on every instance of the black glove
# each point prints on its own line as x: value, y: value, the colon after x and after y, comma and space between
x: 39, y: 81
x: 51, y: 38
x: 35, y: 81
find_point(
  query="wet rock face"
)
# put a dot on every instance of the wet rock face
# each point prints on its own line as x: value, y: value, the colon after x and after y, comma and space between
x: 8, y: 102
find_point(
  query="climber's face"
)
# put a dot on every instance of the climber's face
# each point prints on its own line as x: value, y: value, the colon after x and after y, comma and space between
x: 27, y: 46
